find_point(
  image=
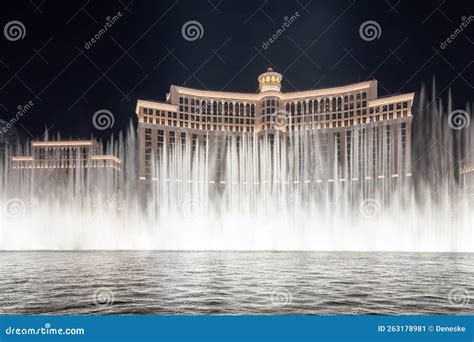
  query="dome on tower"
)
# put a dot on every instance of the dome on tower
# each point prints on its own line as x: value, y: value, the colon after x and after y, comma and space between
x: 269, y: 81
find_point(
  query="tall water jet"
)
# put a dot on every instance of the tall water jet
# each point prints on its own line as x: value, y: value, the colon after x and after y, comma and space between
x: 285, y: 190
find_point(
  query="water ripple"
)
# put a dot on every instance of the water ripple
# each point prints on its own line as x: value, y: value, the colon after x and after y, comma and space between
x: 235, y: 283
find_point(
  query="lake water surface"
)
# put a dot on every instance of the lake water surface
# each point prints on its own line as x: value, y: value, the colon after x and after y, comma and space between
x: 235, y: 283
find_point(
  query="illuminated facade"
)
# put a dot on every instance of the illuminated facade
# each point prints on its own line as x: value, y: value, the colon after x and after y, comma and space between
x: 79, y: 164
x: 81, y: 154
x: 345, y: 133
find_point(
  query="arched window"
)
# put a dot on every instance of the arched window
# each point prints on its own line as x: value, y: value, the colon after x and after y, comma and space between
x: 315, y: 106
x: 334, y: 108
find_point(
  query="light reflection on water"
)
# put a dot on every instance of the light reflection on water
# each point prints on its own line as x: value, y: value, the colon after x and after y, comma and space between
x: 235, y: 283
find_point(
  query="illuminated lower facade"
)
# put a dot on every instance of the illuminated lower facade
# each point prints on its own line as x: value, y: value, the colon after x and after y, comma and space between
x: 77, y: 162
x: 65, y: 155
x: 326, y: 135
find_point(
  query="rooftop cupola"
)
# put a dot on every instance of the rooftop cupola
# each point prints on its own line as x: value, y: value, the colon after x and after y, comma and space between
x: 269, y: 81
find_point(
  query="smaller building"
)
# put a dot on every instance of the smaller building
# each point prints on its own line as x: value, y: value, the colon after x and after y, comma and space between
x: 74, y: 164
x: 66, y: 155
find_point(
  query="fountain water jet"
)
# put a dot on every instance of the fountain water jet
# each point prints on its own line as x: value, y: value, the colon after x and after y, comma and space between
x: 263, y: 195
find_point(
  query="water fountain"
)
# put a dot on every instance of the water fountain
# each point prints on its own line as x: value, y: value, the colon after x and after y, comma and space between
x: 266, y: 197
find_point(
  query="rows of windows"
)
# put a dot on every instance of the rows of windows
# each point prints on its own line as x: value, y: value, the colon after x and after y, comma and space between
x: 62, y: 153
x: 268, y: 120
x: 340, y: 111
x: 362, y: 152
x: 198, y: 106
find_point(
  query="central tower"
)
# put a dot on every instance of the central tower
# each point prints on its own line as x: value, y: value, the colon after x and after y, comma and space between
x: 269, y: 81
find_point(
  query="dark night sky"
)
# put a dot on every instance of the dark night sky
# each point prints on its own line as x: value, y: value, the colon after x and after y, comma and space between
x: 144, y: 53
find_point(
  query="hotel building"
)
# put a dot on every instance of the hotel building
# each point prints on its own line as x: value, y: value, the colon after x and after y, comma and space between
x: 66, y: 155
x: 343, y: 133
x: 53, y: 162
